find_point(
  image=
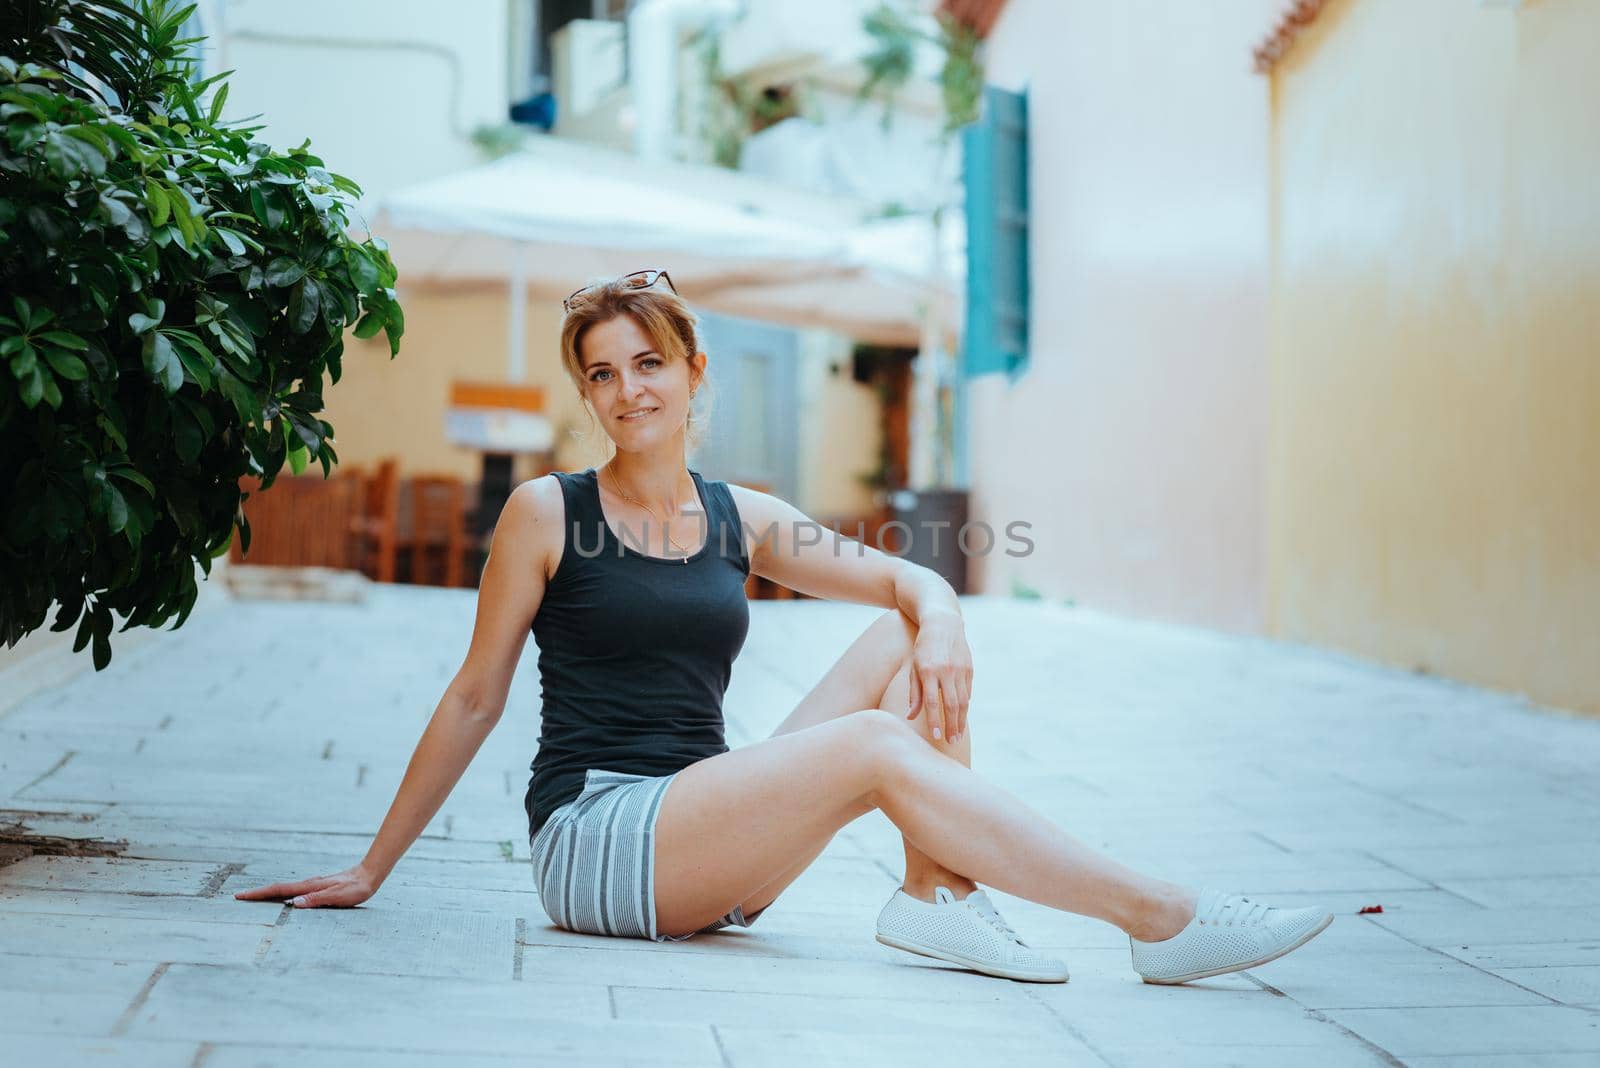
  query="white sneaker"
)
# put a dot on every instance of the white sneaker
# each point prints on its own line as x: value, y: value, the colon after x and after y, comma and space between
x: 1229, y: 933
x: 968, y: 932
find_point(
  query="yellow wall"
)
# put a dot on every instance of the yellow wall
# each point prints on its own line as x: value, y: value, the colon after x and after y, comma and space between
x: 381, y: 408
x: 1434, y: 485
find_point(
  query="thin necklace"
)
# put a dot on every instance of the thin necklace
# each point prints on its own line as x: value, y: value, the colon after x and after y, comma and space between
x: 666, y: 527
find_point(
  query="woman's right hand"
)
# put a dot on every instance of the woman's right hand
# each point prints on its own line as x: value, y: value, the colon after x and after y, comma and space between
x: 343, y: 890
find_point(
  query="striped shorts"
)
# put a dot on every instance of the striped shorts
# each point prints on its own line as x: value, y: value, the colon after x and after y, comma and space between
x: 594, y: 859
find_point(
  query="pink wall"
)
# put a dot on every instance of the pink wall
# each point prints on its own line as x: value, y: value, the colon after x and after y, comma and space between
x: 1134, y: 443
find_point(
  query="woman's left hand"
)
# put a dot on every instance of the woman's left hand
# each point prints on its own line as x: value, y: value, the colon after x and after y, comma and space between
x: 941, y: 676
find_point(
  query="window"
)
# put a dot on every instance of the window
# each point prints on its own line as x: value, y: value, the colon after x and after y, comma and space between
x: 995, y: 172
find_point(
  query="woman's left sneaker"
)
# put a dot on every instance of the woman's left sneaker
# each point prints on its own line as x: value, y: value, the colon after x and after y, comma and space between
x: 1229, y: 933
x: 968, y: 932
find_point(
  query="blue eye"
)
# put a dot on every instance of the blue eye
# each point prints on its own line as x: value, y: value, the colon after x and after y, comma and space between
x: 596, y: 376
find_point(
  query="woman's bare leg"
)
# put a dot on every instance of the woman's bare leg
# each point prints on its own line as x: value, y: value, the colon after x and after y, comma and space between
x: 732, y: 823
x: 874, y: 672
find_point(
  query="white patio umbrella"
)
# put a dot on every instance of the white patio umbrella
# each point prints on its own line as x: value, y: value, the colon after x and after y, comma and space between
x: 546, y: 224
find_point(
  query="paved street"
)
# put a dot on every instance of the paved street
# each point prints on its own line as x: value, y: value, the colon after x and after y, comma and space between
x: 265, y: 740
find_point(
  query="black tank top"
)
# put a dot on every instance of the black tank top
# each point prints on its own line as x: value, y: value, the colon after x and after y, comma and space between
x: 635, y: 651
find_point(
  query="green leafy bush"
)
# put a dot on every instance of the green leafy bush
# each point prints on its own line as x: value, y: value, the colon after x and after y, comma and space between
x: 171, y: 295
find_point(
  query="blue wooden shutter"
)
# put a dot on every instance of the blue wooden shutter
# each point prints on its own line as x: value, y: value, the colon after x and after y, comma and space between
x: 995, y: 172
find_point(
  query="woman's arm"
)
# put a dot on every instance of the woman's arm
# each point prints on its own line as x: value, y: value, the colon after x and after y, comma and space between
x: 802, y: 554
x: 526, y: 536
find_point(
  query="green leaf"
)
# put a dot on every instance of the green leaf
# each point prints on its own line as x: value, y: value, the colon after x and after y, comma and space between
x: 216, y: 103
x: 65, y: 340
x: 85, y: 632
x: 116, y: 507
x: 33, y: 388
x: 241, y: 396
x: 128, y: 474
x: 162, y: 363
x: 102, y: 636
x: 68, y: 156
x: 264, y: 204
x: 230, y: 239
x: 297, y: 459
x: 196, y: 358
x: 114, y: 432
x: 183, y: 218
x: 71, y: 610
x: 66, y: 365
x: 394, y: 326
x: 284, y: 272
x: 370, y: 323
x: 120, y: 215
x: 155, y: 199
x: 304, y: 304
x: 26, y: 359
x: 363, y: 272
x: 142, y: 322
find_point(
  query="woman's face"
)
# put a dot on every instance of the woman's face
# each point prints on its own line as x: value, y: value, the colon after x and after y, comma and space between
x: 640, y: 395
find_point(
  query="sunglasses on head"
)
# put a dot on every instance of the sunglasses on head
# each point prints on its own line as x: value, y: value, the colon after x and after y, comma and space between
x: 635, y: 280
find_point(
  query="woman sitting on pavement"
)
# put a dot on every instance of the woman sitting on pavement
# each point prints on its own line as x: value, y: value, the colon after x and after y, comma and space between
x: 642, y: 822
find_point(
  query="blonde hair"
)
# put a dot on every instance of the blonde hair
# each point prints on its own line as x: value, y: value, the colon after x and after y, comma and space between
x: 665, y: 319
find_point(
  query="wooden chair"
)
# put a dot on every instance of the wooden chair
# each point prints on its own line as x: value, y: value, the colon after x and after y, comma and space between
x: 377, y: 527
x: 301, y: 521
x: 438, y: 528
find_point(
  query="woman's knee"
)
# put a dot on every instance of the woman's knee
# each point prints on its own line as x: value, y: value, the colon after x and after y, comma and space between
x: 885, y: 741
x: 895, y: 633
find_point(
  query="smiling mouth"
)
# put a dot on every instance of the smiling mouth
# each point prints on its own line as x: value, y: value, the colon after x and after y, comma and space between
x: 633, y: 417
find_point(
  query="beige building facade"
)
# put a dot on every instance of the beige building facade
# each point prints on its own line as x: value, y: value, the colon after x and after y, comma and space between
x: 1434, y: 497
x: 1312, y: 354
x: 1134, y: 440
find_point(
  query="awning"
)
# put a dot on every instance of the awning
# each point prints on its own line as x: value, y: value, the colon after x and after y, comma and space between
x: 558, y: 215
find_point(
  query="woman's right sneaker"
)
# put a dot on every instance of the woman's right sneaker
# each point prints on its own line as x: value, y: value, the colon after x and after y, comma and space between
x: 1229, y: 933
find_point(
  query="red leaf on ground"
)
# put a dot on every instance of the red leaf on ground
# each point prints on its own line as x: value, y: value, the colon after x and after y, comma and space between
x: 1370, y: 909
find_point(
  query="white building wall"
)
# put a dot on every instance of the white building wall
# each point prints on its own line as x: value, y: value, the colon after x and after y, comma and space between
x: 1135, y: 441
x: 389, y: 91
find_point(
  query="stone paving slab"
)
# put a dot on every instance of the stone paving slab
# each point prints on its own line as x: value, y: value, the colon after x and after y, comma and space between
x: 799, y: 1046
x: 1453, y: 1031
x: 1518, y: 1060
x: 1571, y: 985
x: 379, y: 1013
x: 459, y: 945
x: 1528, y: 892
x: 123, y: 876
x: 128, y: 938
x: 122, y: 1052
x: 1473, y: 819
x: 219, y: 1055
x: 129, y: 906
x: 1487, y: 926
x: 45, y: 994
x: 1501, y: 955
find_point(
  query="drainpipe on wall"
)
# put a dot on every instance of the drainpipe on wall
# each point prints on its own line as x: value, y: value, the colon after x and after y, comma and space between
x: 655, y: 28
